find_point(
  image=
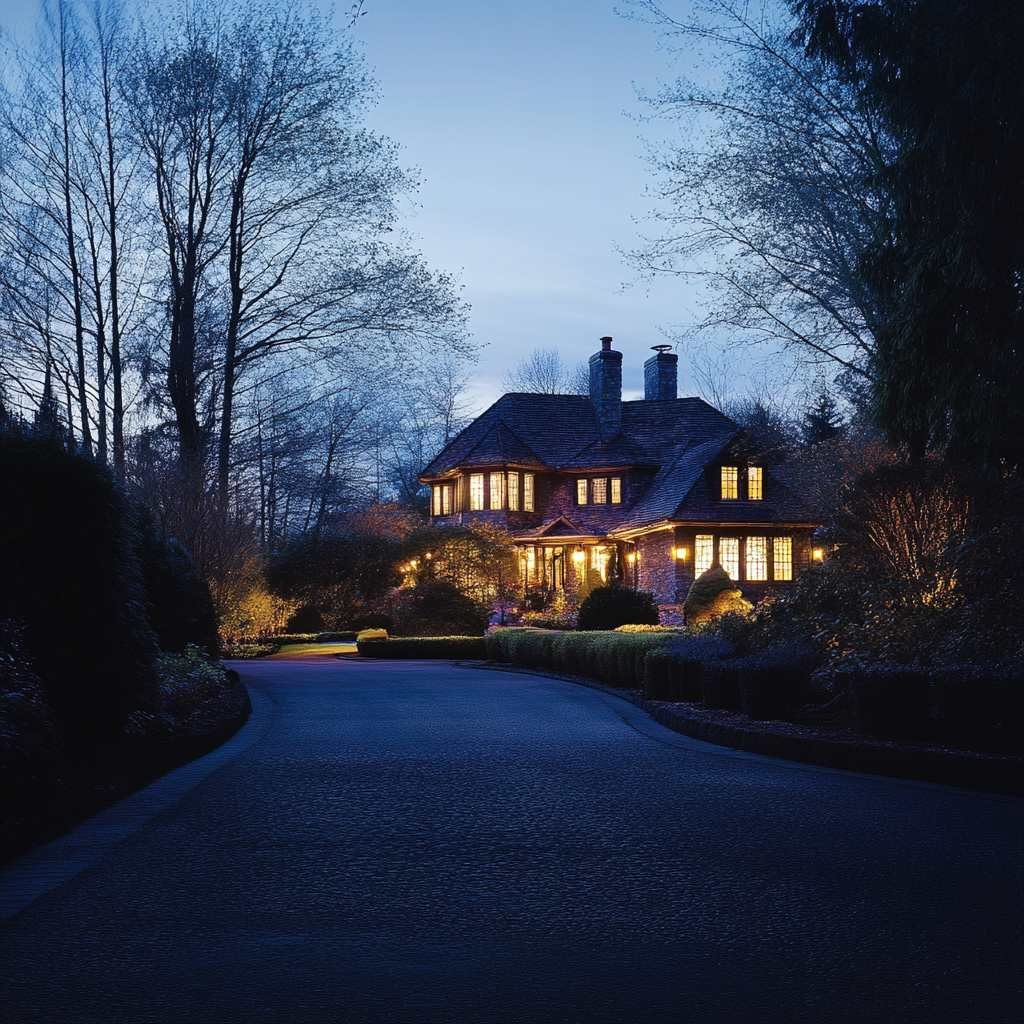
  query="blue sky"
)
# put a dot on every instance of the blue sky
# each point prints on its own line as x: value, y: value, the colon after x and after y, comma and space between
x: 518, y: 115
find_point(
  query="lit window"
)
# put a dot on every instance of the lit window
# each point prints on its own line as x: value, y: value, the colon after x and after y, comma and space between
x: 513, y: 491
x: 527, y: 492
x: 446, y: 501
x: 476, y: 492
x: 783, y: 551
x: 600, y: 490
x: 755, y: 483
x: 581, y: 492
x: 436, y: 507
x: 729, y: 555
x: 531, y: 563
x: 497, y: 491
x: 730, y: 482
x: 616, y: 490
x: 757, y: 558
x: 703, y: 552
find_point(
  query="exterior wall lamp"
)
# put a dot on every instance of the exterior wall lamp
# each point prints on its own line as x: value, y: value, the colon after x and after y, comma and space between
x: 682, y: 554
x: 818, y: 554
x: 631, y: 557
x: 579, y: 556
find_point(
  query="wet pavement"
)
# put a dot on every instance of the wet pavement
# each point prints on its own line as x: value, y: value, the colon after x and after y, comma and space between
x: 405, y: 842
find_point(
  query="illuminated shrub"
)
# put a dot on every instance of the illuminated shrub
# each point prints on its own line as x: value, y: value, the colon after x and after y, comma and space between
x: 437, y: 608
x: 611, y: 607
x: 371, y: 634
x: 712, y: 595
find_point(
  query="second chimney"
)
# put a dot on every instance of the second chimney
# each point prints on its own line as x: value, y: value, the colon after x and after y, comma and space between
x: 661, y: 375
x: 606, y: 389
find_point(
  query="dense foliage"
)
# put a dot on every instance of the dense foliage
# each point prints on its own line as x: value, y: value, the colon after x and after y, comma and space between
x: 437, y: 608
x: 610, y: 607
x: 713, y: 594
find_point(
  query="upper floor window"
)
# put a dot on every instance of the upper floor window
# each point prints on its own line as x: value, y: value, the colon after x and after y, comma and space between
x: 755, y: 483
x: 616, y: 490
x: 729, y: 556
x: 527, y: 492
x: 703, y: 552
x: 757, y: 558
x: 581, y: 492
x: 513, y: 492
x: 730, y: 482
x: 599, y: 488
x: 476, y: 492
x: 497, y: 492
x: 783, y: 558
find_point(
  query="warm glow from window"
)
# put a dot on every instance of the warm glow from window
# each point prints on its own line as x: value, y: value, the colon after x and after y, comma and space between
x: 497, y: 491
x: 527, y: 492
x: 755, y: 483
x: 616, y: 490
x: 704, y: 552
x: 436, y: 507
x: 476, y: 492
x: 531, y: 563
x: 600, y: 490
x: 729, y: 555
x: 581, y: 492
x: 446, y: 500
x: 783, y: 554
x: 757, y: 558
x: 513, y: 492
x: 730, y: 482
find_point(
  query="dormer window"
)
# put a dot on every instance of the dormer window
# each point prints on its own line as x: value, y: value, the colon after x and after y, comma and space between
x: 513, y: 492
x: 581, y: 491
x: 755, y: 483
x: 616, y: 490
x: 476, y: 492
x: 599, y: 488
x: 527, y: 492
x: 730, y: 483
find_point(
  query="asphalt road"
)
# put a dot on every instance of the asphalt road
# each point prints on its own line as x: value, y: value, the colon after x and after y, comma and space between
x: 406, y: 842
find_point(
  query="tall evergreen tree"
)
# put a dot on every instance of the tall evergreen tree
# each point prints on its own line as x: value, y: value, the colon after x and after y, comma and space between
x: 822, y: 421
x: 945, y: 82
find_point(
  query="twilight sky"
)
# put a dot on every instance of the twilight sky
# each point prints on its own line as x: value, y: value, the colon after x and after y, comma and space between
x: 517, y: 115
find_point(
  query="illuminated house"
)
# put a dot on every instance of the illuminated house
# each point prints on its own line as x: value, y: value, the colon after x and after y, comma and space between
x: 652, y: 492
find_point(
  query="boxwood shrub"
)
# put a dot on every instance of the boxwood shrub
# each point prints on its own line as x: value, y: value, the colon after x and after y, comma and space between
x: 423, y: 647
x: 979, y: 706
x: 674, y: 672
x: 773, y: 681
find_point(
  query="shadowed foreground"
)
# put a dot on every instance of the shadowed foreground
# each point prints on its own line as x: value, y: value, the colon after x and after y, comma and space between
x: 420, y: 842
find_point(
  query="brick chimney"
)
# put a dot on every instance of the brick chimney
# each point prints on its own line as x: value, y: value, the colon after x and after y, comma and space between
x: 606, y: 389
x: 661, y: 375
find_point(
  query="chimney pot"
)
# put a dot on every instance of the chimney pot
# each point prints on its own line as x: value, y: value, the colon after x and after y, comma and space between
x: 661, y: 375
x: 606, y: 343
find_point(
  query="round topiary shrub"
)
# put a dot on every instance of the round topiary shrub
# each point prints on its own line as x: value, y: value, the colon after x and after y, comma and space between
x: 713, y: 594
x: 437, y: 608
x: 611, y: 607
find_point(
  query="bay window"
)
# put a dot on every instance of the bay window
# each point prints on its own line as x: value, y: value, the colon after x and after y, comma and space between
x: 703, y: 552
x: 757, y: 558
x: 729, y: 556
x: 497, y: 492
x: 513, y: 492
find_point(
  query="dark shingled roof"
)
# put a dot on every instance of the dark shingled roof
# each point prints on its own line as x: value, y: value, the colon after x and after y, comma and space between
x: 558, y: 429
x: 500, y: 445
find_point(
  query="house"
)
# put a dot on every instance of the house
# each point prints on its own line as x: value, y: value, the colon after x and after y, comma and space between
x: 652, y: 492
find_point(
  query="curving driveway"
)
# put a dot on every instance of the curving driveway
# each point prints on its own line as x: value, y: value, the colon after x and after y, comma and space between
x: 405, y: 842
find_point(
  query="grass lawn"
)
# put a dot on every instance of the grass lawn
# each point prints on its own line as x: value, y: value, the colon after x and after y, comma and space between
x: 328, y: 647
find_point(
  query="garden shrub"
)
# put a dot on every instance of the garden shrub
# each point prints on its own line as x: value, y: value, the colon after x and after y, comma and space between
x: 713, y: 594
x: 637, y: 628
x: 68, y: 557
x: 611, y: 607
x: 371, y: 634
x: 372, y: 620
x: 306, y: 619
x: 423, y: 647
x: 887, y: 700
x: 437, y: 608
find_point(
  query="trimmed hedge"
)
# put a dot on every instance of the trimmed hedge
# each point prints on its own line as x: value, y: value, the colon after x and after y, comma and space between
x: 675, y: 672
x: 888, y: 700
x: 423, y: 647
x: 773, y: 681
x: 617, y: 659
x: 979, y: 706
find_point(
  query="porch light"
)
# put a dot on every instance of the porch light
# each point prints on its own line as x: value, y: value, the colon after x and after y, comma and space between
x: 579, y: 556
x: 682, y: 554
x: 631, y: 557
x: 818, y: 554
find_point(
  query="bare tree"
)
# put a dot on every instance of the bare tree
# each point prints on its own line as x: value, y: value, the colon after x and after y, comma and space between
x: 774, y: 189
x: 543, y: 372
